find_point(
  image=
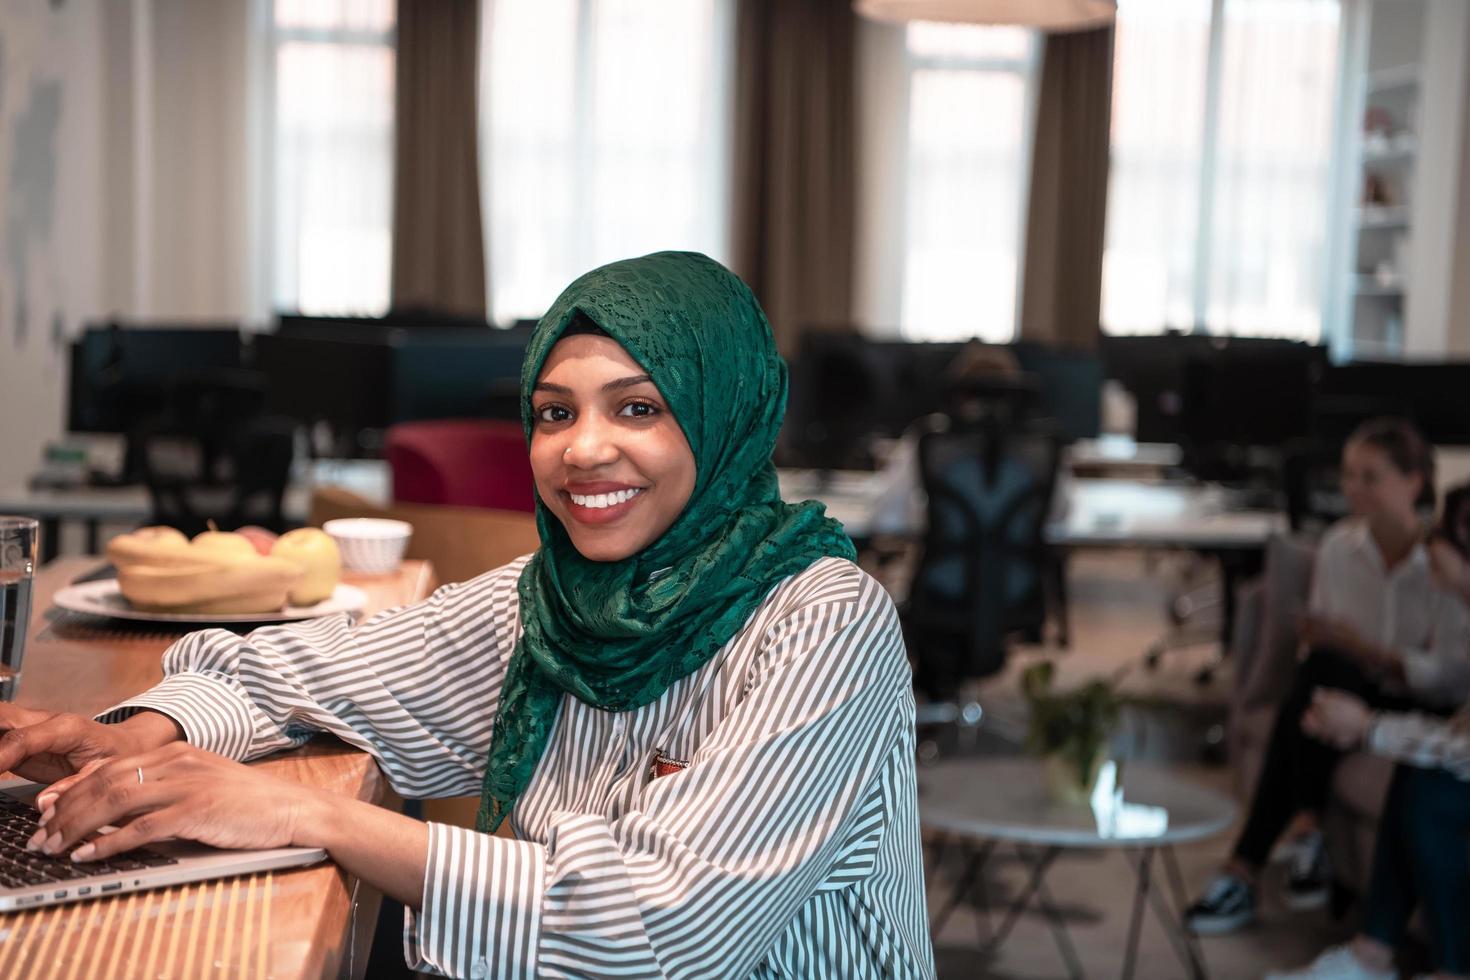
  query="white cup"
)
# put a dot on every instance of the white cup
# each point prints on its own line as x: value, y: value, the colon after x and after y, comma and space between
x: 371, y: 545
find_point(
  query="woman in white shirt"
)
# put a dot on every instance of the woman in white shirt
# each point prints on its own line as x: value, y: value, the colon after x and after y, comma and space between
x: 1377, y: 625
x: 694, y: 708
x: 1422, y: 856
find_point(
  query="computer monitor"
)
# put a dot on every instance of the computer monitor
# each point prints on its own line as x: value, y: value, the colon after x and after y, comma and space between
x: 122, y: 376
x: 444, y: 376
x: 837, y: 385
x: 1152, y: 370
x: 1431, y: 395
x: 847, y: 388
x: 361, y: 381
x: 377, y: 327
x: 313, y: 378
x: 1070, y: 383
x: 1250, y: 397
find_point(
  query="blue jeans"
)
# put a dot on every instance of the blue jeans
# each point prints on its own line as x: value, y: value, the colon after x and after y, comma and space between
x: 1423, y: 856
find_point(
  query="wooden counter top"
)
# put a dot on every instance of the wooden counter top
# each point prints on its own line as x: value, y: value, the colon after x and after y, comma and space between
x: 306, y: 922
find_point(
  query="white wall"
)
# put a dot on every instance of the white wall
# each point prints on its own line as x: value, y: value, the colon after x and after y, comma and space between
x: 50, y: 199
x: 145, y: 212
x: 1437, y: 310
x: 195, y: 194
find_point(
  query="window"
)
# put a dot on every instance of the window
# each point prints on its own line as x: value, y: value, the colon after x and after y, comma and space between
x: 967, y: 166
x: 604, y: 136
x: 1219, y: 183
x: 331, y: 150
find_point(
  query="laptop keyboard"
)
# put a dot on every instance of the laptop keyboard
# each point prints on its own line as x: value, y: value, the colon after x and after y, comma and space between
x: 20, y: 868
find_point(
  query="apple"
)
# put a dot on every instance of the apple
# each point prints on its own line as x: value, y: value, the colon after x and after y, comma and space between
x: 314, y: 551
x: 263, y: 539
x: 224, y: 546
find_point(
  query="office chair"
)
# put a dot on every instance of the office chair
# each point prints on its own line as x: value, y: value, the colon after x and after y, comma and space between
x: 980, y: 579
x: 461, y: 463
x: 244, y: 481
x: 214, y: 455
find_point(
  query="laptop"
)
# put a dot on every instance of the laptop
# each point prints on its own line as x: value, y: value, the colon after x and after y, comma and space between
x: 30, y: 878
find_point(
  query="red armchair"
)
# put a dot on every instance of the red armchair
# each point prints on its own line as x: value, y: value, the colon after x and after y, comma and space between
x: 461, y: 463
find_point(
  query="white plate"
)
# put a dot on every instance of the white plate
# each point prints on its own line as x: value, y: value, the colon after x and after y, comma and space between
x: 104, y: 599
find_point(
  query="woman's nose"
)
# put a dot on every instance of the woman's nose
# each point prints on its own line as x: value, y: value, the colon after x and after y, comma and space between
x: 592, y: 444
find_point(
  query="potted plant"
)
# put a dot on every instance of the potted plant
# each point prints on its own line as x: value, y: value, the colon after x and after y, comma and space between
x: 1070, y: 731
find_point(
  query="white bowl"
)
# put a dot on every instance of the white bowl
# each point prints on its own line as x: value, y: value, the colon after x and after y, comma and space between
x: 372, y: 545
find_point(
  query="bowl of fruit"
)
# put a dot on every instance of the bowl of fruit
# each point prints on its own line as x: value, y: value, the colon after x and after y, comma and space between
x: 249, y: 575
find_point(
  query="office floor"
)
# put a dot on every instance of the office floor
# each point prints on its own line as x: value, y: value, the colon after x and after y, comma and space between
x: 1117, y: 611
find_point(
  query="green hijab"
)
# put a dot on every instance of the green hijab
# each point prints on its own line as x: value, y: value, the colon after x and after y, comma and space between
x: 610, y: 633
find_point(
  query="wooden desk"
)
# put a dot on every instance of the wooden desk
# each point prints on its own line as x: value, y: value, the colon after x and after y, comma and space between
x: 304, y: 922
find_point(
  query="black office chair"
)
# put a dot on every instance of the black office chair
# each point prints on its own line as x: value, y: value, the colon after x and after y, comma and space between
x: 248, y: 485
x: 216, y: 457
x: 981, y: 576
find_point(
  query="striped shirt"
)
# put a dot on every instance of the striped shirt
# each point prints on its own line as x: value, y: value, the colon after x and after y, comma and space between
x: 1423, y: 741
x: 758, y: 819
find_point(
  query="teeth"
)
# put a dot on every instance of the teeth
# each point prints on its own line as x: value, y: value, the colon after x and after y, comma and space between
x: 599, y: 500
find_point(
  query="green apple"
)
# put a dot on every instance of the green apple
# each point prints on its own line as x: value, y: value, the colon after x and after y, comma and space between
x: 313, y: 550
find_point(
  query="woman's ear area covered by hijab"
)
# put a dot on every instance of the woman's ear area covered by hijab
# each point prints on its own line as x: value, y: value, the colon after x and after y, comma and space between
x: 610, y: 462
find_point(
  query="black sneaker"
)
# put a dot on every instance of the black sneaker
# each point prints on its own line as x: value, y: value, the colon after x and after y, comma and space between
x: 1308, y: 879
x: 1228, y: 904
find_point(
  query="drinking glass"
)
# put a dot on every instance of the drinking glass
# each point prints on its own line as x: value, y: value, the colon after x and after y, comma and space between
x: 18, y: 549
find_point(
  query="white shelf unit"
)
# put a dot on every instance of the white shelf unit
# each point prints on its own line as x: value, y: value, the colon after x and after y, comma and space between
x: 1372, y: 286
x: 1395, y: 77
x: 1379, y: 217
x: 1400, y: 195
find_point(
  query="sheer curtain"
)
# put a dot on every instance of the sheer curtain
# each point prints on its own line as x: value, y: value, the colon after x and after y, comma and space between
x: 330, y: 142
x: 1218, y: 195
x: 1268, y: 229
x: 965, y: 179
x: 604, y: 134
x: 1161, y: 53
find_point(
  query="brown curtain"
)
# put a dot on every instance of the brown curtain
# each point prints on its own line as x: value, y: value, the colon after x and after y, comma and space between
x: 438, y: 248
x: 1061, y: 294
x: 795, y: 139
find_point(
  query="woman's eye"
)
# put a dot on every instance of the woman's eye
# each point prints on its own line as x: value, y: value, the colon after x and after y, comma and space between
x: 638, y: 410
x: 552, y: 413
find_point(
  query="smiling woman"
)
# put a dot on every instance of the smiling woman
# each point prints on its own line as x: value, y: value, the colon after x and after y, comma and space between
x: 693, y: 706
x: 609, y: 460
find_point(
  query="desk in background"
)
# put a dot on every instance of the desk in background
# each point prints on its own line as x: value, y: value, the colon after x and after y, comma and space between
x: 304, y: 922
x: 1134, y: 514
x: 1092, y: 514
x: 1114, y: 514
x: 129, y: 505
x: 1111, y: 455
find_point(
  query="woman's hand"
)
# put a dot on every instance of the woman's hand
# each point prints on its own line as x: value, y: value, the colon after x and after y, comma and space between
x: 1337, y: 718
x: 45, y: 745
x: 191, y: 794
x: 185, y: 793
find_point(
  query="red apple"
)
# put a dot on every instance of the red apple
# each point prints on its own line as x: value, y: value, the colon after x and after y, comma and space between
x: 262, y: 539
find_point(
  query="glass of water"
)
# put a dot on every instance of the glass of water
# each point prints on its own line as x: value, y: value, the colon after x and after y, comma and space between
x: 18, y: 549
